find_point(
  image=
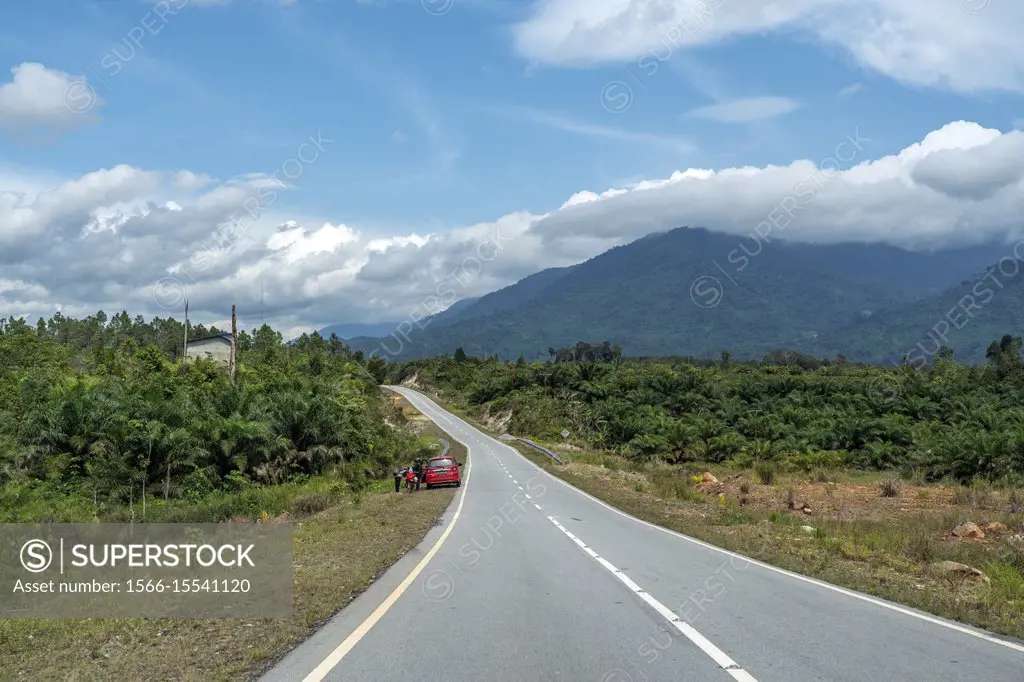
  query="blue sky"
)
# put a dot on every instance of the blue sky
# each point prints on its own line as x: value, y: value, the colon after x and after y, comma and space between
x: 231, y: 89
x: 448, y: 120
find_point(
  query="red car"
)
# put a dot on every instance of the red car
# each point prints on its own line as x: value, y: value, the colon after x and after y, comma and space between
x: 442, y: 471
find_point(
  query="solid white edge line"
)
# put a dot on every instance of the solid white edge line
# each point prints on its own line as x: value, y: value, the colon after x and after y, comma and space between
x: 807, y: 579
x: 949, y: 625
x: 703, y: 643
x: 333, y: 658
x: 934, y: 620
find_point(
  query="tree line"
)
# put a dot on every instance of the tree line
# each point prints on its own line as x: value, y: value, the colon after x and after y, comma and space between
x: 105, y: 409
x: 587, y: 352
x: 944, y: 420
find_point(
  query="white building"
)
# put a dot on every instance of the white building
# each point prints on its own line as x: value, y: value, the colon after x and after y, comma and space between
x: 213, y: 347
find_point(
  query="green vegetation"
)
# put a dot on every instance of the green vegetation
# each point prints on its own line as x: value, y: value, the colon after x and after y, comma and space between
x: 338, y: 553
x: 693, y: 292
x: 788, y: 412
x: 100, y: 419
x: 867, y: 477
x: 895, y: 544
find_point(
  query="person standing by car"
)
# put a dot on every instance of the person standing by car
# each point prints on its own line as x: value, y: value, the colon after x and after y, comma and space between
x: 417, y: 469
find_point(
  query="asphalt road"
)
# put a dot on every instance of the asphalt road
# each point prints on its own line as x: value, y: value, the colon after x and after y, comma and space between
x: 529, y: 579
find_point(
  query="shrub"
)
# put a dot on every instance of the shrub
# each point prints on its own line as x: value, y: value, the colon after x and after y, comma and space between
x: 821, y: 476
x: 672, y: 487
x: 742, y: 460
x: 890, y: 486
x: 976, y: 495
x: 765, y: 472
x: 311, y: 503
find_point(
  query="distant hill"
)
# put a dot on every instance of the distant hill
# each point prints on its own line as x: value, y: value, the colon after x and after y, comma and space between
x: 504, y: 300
x: 452, y: 313
x: 361, y: 332
x: 496, y: 302
x: 966, y: 317
x: 642, y: 296
x: 353, y: 330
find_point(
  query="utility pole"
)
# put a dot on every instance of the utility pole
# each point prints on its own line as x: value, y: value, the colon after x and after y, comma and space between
x: 184, y: 348
x: 261, y: 299
x: 234, y: 335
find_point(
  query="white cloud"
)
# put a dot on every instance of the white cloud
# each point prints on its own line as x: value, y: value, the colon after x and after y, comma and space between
x: 922, y: 42
x: 746, y: 110
x: 39, y: 96
x: 850, y: 90
x: 569, y: 125
x: 297, y: 244
x: 975, y: 173
x: 382, y: 245
x: 104, y: 240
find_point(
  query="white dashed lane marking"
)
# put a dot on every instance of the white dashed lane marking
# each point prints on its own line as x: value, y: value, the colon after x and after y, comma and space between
x: 717, y: 655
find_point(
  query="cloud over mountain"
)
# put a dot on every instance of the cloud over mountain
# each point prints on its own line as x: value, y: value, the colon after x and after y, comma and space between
x: 126, y: 237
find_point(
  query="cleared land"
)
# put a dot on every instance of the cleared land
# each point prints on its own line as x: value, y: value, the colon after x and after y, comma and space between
x: 905, y: 541
x: 955, y: 551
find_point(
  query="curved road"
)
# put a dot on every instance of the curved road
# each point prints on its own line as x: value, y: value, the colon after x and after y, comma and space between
x: 529, y: 579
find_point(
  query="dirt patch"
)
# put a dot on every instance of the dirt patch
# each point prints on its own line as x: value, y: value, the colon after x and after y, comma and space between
x: 843, y: 531
x: 420, y: 425
x: 842, y: 501
x: 415, y: 422
x: 498, y: 422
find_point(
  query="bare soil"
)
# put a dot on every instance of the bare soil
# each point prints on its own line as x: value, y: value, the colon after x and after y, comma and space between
x: 842, y: 530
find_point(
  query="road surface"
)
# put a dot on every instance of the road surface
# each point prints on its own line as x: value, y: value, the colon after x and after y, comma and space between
x: 531, y: 580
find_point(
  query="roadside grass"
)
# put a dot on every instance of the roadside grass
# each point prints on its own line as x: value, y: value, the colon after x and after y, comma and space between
x: 40, y: 504
x: 343, y: 542
x: 428, y: 432
x: 867, y: 531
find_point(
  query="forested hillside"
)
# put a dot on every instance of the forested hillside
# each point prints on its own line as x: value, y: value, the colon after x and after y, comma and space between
x: 947, y: 420
x: 691, y: 291
x: 96, y: 413
x: 965, y: 317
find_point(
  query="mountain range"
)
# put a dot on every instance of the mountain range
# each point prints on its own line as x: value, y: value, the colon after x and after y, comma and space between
x: 691, y: 291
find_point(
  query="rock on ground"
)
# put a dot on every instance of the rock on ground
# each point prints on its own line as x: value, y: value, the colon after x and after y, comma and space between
x: 952, y: 568
x: 968, y: 530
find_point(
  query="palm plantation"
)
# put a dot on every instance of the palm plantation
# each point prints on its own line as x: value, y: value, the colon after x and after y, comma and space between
x: 944, y: 421
x: 96, y: 416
